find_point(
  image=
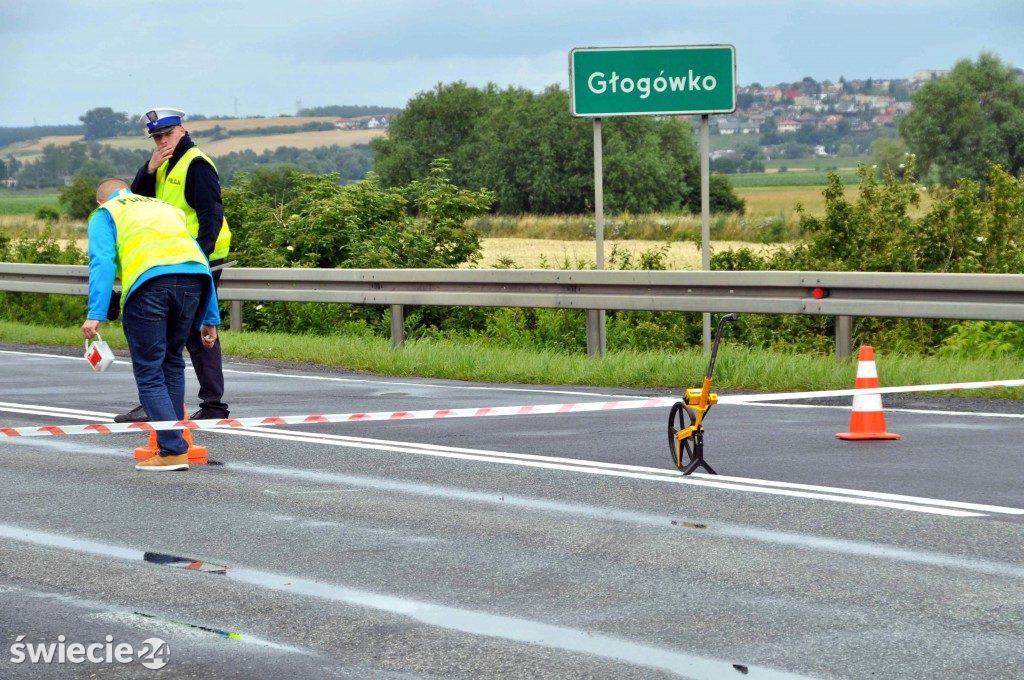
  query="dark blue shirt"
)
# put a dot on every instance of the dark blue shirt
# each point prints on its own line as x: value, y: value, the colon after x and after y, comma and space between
x: 202, y: 192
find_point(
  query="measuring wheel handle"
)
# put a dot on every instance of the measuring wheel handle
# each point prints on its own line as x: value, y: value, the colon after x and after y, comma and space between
x: 686, y: 419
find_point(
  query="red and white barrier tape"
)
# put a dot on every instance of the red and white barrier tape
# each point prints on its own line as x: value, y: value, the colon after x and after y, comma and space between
x: 473, y: 412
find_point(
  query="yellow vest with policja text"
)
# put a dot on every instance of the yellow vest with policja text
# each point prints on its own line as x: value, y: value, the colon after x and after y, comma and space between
x: 150, y: 233
x: 171, y: 188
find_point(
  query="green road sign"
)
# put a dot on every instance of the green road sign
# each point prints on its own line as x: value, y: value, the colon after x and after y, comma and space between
x: 647, y: 81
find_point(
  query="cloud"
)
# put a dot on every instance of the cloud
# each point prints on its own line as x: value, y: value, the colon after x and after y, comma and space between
x: 69, y: 56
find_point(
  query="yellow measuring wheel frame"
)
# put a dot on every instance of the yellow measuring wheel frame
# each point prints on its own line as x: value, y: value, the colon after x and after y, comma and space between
x: 686, y: 419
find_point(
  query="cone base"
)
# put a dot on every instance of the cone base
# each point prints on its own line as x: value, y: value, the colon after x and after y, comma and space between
x: 867, y: 435
x: 197, y: 455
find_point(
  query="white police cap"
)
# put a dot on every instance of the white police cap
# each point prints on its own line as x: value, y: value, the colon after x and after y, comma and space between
x: 161, y: 120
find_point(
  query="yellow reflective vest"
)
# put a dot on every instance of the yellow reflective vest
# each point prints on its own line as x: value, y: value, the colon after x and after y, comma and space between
x: 149, y: 233
x: 171, y: 188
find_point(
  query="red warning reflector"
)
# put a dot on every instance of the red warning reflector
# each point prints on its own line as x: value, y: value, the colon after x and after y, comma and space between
x: 820, y: 293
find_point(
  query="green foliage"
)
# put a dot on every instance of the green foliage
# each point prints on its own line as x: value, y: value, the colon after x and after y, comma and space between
x: 104, y: 122
x: 538, y: 158
x: 47, y: 213
x: 290, y: 219
x: 962, y: 123
x: 298, y: 220
x: 93, y: 158
x: 721, y: 197
x: 984, y: 340
x: 970, y: 230
x: 79, y: 197
x: 888, y: 155
x: 55, y: 310
x: 351, y: 163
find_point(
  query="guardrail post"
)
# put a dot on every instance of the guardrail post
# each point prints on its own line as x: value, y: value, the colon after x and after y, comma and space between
x: 844, y: 337
x: 597, y: 343
x: 236, y: 316
x: 397, y: 326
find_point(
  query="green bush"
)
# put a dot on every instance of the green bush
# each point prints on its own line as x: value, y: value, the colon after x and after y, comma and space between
x: 33, y: 308
x: 970, y: 230
x: 47, y: 213
x: 79, y: 197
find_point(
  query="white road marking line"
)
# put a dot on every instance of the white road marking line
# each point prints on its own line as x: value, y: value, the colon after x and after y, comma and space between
x: 674, y: 475
x: 918, y: 411
x: 574, y: 466
x: 877, y: 499
x: 38, y: 409
x: 368, y: 381
x: 474, y: 622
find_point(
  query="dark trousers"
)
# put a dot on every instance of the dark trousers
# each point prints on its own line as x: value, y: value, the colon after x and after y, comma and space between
x: 208, y: 365
x: 158, y: 316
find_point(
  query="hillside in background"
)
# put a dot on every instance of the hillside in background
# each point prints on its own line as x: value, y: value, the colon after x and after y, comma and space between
x: 222, y: 136
x: 318, y: 144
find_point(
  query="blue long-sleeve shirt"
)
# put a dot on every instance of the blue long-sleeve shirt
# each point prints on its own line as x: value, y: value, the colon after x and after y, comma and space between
x: 103, y: 269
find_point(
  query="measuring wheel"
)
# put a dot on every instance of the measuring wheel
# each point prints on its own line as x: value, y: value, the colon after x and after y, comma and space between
x: 680, y: 418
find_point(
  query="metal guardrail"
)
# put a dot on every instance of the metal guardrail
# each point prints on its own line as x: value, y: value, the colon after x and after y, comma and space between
x: 995, y: 297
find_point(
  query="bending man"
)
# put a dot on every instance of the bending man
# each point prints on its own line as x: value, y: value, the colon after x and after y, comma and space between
x: 169, y: 293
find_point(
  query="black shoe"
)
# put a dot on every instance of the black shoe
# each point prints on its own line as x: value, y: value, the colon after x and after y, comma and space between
x: 209, y: 414
x: 136, y: 415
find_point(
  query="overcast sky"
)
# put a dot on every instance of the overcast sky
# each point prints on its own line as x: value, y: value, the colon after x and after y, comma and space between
x: 60, y: 58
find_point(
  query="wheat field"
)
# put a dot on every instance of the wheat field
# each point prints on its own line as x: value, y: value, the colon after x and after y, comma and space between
x: 550, y: 254
x: 31, y: 151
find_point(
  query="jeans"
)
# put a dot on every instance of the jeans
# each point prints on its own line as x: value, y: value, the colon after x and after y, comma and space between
x: 158, y: 316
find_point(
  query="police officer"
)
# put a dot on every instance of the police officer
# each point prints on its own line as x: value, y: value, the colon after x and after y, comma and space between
x: 182, y: 175
x: 169, y: 294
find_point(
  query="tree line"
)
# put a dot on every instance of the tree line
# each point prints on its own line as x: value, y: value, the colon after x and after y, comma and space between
x: 537, y: 158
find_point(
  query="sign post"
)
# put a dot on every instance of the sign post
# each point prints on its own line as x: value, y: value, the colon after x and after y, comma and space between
x: 652, y: 81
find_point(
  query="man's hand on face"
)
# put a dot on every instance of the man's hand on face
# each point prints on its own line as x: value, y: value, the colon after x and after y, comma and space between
x: 165, y: 144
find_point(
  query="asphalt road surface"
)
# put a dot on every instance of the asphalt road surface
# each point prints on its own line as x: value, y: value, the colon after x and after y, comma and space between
x: 543, y: 546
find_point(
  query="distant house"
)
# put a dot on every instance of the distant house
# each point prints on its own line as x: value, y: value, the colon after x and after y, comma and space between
x: 787, y: 125
x: 736, y: 127
x: 884, y: 119
x: 757, y: 119
x: 345, y: 124
x: 379, y: 122
x: 791, y: 94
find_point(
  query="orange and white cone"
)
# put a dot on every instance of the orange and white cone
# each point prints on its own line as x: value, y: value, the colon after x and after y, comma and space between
x: 867, y: 421
x: 197, y: 455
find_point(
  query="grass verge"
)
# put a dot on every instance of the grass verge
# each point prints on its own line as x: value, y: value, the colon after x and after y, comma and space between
x: 736, y: 368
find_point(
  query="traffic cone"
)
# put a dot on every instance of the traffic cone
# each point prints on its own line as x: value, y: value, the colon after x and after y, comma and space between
x: 867, y: 421
x: 197, y: 455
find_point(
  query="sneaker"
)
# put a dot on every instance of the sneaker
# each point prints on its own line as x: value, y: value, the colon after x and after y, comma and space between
x: 136, y: 415
x: 164, y: 463
x: 209, y: 414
